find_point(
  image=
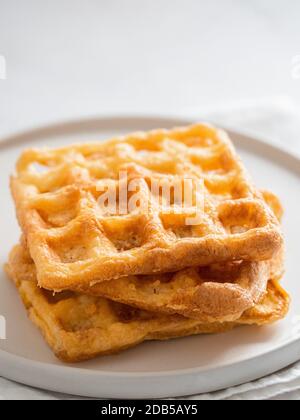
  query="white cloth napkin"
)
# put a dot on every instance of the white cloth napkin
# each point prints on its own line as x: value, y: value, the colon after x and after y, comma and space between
x: 278, y: 120
x: 274, y: 119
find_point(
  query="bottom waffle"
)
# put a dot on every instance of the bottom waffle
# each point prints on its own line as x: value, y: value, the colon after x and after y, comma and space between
x: 218, y: 293
x: 79, y: 327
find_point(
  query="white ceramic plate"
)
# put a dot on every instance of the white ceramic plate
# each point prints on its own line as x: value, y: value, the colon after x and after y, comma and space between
x: 157, y: 369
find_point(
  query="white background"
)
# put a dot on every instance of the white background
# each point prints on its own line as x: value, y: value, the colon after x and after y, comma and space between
x: 69, y: 58
x: 72, y: 58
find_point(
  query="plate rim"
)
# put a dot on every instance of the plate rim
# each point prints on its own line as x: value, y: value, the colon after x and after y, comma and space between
x: 17, y: 138
x: 166, y: 373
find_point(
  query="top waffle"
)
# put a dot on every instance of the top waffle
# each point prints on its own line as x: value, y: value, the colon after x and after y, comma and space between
x: 76, y: 242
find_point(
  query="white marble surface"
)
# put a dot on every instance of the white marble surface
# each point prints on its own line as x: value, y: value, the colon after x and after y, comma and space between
x: 70, y: 58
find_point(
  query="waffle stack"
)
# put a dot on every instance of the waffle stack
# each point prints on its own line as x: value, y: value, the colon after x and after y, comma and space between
x: 106, y: 261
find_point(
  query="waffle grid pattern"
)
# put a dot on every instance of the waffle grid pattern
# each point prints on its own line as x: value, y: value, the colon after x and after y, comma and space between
x: 74, y: 243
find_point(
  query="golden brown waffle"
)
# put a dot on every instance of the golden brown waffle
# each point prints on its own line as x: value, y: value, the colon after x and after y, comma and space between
x: 221, y: 292
x: 75, y: 244
x: 217, y: 293
x: 274, y: 203
x: 79, y: 327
